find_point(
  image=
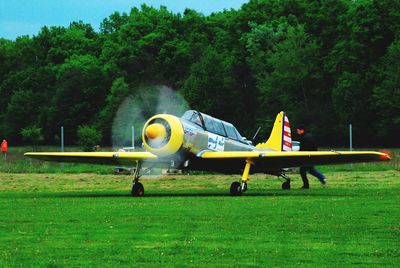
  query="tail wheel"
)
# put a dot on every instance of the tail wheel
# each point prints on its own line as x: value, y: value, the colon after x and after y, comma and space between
x: 286, y: 185
x: 236, y: 189
x: 137, y: 189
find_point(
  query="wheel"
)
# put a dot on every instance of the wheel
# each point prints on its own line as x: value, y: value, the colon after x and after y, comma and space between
x: 137, y: 189
x: 235, y: 188
x: 286, y: 185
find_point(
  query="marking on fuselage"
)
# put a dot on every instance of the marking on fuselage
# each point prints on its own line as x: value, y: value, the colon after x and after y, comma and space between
x: 189, y: 131
x: 216, y: 142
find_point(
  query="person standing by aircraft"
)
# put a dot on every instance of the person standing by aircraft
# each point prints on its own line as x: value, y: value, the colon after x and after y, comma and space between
x: 307, y: 143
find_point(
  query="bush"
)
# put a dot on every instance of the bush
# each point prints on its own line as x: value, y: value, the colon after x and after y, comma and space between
x: 88, y: 138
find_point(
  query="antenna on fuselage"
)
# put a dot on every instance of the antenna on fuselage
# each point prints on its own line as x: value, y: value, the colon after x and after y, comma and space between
x: 255, y: 135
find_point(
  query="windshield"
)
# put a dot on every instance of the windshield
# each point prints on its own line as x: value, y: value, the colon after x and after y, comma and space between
x: 213, y: 125
x: 194, y: 117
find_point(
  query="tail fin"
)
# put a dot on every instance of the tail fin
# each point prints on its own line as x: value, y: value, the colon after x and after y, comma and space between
x: 280, y: 138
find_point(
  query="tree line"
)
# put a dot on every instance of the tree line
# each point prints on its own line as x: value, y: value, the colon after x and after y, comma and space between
x: 325, y: 63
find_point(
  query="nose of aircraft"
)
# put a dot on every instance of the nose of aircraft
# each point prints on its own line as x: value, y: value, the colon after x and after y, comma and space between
x: 156, y: 130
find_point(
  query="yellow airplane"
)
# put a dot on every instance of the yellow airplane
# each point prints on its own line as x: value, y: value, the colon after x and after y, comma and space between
x: 197, y: 141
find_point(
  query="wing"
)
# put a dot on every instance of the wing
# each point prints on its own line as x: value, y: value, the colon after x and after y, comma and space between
x: 107, y: 158
x: 265, y: 161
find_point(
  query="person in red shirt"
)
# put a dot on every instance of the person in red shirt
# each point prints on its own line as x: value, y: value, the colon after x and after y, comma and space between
x: 4, y: 148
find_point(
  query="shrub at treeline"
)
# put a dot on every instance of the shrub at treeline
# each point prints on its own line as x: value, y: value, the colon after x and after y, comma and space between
x: 326, y: 63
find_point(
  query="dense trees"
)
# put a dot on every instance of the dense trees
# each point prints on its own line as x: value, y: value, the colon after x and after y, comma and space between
x: 326, y: 63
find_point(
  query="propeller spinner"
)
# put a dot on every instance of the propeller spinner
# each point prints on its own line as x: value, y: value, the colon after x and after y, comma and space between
x: 156, y: 131
x: 163, y: 134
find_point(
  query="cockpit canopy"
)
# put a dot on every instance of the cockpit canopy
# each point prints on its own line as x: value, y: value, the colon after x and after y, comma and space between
x: 213, y: 125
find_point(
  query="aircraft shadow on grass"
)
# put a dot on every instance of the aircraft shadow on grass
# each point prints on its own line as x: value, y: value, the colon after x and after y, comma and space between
x: 157, y: 195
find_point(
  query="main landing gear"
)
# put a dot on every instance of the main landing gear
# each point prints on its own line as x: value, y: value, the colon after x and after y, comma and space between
x: 238, y: 188
x: 137, y: 188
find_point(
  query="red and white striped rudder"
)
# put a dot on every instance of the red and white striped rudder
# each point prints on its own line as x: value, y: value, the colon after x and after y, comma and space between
x: 286, y: 135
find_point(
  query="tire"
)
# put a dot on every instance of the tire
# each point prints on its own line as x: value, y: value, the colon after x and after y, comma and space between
x: 137, y: 189
x: 235, y: 189
x: 286, y: 185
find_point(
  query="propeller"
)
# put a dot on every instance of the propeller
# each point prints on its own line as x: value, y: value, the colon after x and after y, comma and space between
x: 143, y: 103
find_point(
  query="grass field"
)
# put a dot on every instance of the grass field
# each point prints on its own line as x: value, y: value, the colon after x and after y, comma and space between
x: 90, y: 220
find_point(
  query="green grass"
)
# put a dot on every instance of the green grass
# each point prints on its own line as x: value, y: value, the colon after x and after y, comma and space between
x: 89, y: 220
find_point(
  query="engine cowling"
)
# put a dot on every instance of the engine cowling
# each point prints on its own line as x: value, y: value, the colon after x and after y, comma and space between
x: 162, y: 135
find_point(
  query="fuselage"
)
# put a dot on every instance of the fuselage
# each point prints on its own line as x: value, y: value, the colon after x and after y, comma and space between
x: 203, y: 132
x: 180, y: 141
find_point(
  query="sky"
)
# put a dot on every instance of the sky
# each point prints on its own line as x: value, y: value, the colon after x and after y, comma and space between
x: 27, y: 17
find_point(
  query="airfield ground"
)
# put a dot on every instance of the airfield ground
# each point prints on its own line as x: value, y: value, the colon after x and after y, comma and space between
x: 87, y: 219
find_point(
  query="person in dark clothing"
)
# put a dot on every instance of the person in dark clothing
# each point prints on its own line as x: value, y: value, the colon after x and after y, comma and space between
x: 307, y: 143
